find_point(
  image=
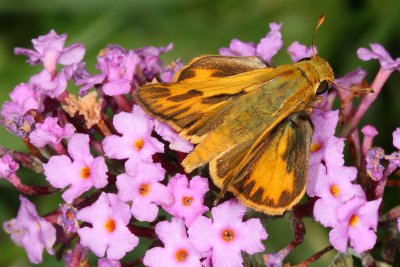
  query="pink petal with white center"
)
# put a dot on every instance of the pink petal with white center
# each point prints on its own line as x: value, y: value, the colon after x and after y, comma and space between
x: 362, y: 238
x: 338, y: 237
x: 125, y: 184
x: 143, y: 168
x: 75, y: 190
x: 136, y: 123
x: 95, y: 212
x: 98, y: 172
x: 316, y: 171
x: 223, y: 257
x: 369, y: 213
x: 325, y: 211
x: 165, y: 229
x: 253, y: 232
x: 121, y: 242
x: 197, y: 234
x: 78, y: 148
x: 116, y: 147
x: 87, y: 235
x: 72, y: 54
x: 228, y: 212
x: 143, y: 210
x: 160, y: 195
x: 59, y: 171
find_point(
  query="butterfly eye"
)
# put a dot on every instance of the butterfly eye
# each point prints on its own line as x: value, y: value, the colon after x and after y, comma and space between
x: 322, y: 87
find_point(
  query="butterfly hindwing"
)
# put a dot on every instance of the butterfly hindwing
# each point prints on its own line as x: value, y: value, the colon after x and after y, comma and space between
x: 274, y: 176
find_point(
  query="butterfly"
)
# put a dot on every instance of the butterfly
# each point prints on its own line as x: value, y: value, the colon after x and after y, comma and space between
x: 250, y: 122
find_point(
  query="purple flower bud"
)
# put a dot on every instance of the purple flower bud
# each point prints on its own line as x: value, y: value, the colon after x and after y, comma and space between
x: 7, y: 166
x: 67, y: 219
x: 374, y: 167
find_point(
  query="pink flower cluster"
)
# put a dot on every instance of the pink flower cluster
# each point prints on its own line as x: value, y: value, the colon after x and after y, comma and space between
x: 120, y: 175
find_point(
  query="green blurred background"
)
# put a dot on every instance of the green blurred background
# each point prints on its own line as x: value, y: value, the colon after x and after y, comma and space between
x: 200, y: 27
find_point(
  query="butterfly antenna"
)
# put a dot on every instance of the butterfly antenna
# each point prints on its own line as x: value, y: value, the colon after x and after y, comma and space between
x: 319, y: 23
x: 367, y: 90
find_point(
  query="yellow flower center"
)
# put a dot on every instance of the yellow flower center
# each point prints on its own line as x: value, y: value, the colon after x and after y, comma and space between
x: 144, y: 189
x: 181, y: 255
x: 138, y: 144
x: 335, y: 190
x: 315, y: 147
x: 354, y: 220
x: 187, y: 200
x: 85, y: 172
x: 110, y: 225
x: 102, y: 52
x: 228, y: 235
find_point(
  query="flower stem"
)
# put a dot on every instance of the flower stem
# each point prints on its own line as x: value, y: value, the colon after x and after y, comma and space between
x: 123, y: 103
x: 366, y: 102
x: 314, y: 257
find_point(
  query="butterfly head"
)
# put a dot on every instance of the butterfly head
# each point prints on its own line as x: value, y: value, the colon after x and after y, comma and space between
x: 323, y: 73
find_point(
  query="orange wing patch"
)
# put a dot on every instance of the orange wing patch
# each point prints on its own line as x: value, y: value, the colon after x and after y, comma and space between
x: 273, y: 179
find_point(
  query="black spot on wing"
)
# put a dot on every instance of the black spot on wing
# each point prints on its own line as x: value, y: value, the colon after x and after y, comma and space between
x: 185, y: 96
x: 221, y: 97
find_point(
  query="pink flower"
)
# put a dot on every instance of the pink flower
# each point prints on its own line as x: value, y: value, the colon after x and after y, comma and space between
x: 31, y: 232
x: 177, y: 250
x: 104, y: 262
x: 82, y: 173
x: 227, y: 235
x: 109, y: 218
x: 150, y: 63
x: 49, y: 132
x: 49, y: 51
x: 141, y: 185
x: 168, y: 134
x: 396, y: 138
x: 118, y: 67
x: 357, y: 222
x: 379, y: 52
x: 298, y: 51
x: 266, y: 48
x: 136, y: 140
x: 270, y: 44
x: 325, y: 146
x: 23, y: 99
x: 188, y: 198
x: 334, y: 188
x: 168, y: 72
x: 7, y: 166
x: 238, y: 48
x: 50, y: 85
